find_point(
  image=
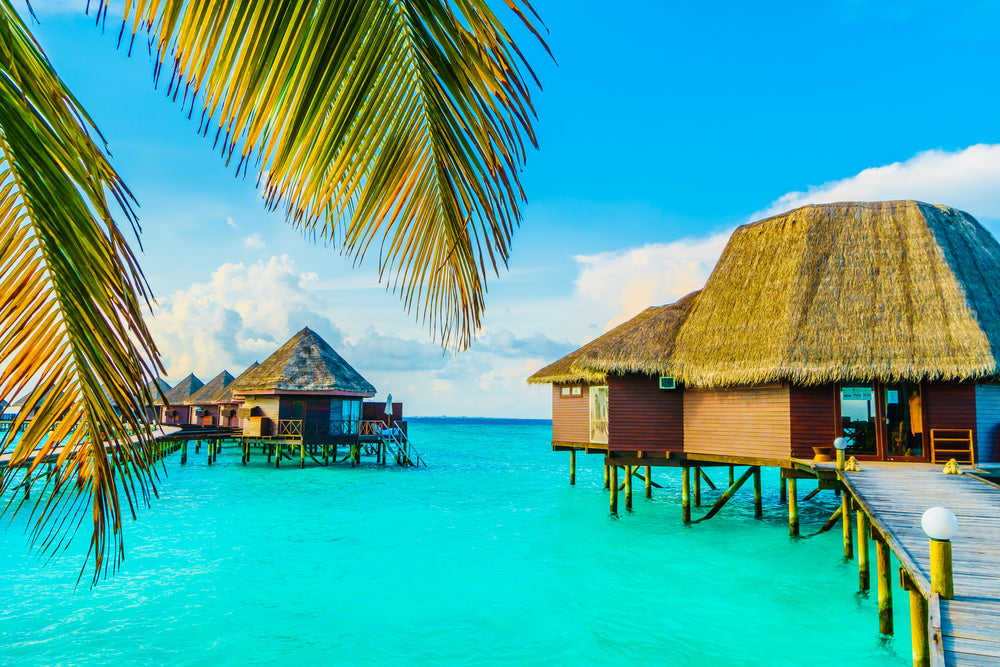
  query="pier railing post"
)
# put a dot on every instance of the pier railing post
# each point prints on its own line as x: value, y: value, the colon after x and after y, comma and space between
x: 940, y: 525
x: 919, y: 631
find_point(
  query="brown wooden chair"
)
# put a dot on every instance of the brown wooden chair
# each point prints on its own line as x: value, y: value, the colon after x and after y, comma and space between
x: 952, y: 443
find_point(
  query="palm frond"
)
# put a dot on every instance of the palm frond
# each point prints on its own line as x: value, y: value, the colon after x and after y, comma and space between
x: 71, y: 300
x: 399, y: 124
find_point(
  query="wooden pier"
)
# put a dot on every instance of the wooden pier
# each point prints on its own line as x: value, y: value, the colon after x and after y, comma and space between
x: 966, y: 629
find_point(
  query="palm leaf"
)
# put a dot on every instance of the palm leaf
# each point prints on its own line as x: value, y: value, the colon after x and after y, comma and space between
x: 398, y: 124
x: 71, y: 327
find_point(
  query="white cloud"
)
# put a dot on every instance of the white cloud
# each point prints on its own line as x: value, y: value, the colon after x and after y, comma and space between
x: 625, y: 282
x: 254, y: 242
x: 968, y: 179
x: 230, y: 222
x: 243, y: 314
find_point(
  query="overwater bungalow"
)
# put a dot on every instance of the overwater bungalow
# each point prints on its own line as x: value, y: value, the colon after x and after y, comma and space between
x: 876, y: 322
x: 175, y: 410
x: 156, y: 389
x: 305, y: 389
x: 204, y: 405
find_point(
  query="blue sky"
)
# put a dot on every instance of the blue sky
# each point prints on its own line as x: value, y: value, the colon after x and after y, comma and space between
x: 662, y: 126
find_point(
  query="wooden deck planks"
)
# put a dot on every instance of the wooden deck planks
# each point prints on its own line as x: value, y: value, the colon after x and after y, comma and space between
x: 897, y: 495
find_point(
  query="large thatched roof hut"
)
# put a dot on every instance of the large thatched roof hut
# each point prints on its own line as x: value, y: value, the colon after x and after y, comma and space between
x: 304, y: 384
x: 175, y: 410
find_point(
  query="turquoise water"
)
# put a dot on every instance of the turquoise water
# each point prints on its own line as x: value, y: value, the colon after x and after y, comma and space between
x: 486, y: 557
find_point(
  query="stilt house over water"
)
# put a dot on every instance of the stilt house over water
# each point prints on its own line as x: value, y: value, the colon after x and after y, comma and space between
x: 878, y: 322
x: 175, y: 410
x: 204, y: 404
x: 305, y: 389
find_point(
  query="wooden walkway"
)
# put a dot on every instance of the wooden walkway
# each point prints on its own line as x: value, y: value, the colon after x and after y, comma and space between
x: 895, y: 496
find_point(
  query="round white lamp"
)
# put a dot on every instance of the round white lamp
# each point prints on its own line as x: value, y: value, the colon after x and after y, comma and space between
x: 941, y: 525
x: 840, y: 443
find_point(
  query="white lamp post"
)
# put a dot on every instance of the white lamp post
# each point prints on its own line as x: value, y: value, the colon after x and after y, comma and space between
x: 940, y: 524
x: 840, y: 444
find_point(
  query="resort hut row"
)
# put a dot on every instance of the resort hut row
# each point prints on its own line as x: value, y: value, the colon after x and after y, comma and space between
x: 876, y: 322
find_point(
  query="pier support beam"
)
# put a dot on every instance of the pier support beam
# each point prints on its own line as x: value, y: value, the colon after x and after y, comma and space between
x: 697, y: 487
x: 845, y: 515
x: 215, y: 450
x: 919, y: 636
x: 278, y: 454
x: 791, y: 484
x: 184, y: 452
x: 302, y: 455
x: 572, y: 467
x: 211, y: 443
x: 686, y: 495
x: 649, y: 481
x: 732, y: 475
x: 882, y: 562
x: 864, y: 576
x: 758, y: 505
x: 783, y: 494
x: 607, y: 477
x: 724, y: 498
x: 614, y: 489
x: 628, y: 487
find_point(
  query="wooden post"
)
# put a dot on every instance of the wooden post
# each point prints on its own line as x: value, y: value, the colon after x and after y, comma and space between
x: 919, y: 637
x: 572, y: 467
x: 649, y: 481
x: 793, y: 505
x: 277, y: 454
x: 864, y: 576
x: 758, y: 506
x: 845, y: 514
x: 697, y: 487
x: 197, y: 446
x: 840, y: 459
x: 628, y: 488
x: 607, y: 477
x: 732, y: 475
x: 614, y: 489
x: 686, y: 494
x: 302, y: 454
x: 882, y: 561
x: 267, y: 447
x: 326, y: 455
x: 942, y: 580
x: 184, y: 452
x: 783, y: 494
x: 211, y: 443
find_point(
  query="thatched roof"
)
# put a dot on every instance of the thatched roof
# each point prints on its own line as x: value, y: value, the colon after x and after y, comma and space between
x: 182, y: 391
x: 304, y: 363
x: 163, y: 385
x: 226, y: 395
x: 215, y: 388
x: 863, y: 291
x: 643, y: 344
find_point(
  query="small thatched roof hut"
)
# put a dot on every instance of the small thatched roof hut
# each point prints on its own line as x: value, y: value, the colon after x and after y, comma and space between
x: 305, y: 363
x: 226, y: 395
x: 184, y: 389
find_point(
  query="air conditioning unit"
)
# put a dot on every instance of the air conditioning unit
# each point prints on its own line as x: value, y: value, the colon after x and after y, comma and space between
x: 667, y: 383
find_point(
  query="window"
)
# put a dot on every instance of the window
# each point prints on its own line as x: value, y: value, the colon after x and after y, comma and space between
x: 599, y: 414
x: 577, y: 391
x: 565, y: 391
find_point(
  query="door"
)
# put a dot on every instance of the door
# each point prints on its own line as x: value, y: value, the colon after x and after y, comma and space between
x: 904, y: 423
x: 599, y: 415
x: 883, y: 422
x: 859, y: 420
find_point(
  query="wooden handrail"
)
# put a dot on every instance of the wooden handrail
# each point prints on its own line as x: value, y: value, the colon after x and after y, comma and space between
x: 290, y: 427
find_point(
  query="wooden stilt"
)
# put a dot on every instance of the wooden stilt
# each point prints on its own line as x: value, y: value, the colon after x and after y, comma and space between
x: 326, y: 455
x: 919, y: 636
x: 267, y: 448
x: 211, y: 443
x: 882, y: 562
x: 845, y: 514
x: 864, y: 576
x: 572, y: 467
x: 302, y: 455
x: 942, y: 576
x: 607, y: 477
x: 686, y: 495
x: 708, y: 480
x: 793, y: 505
x: 724, y: 498
x: 614, y: 489
x: 758, y: 505
x: 697, y: 487
x: 184, y: 453
x: 628, y: 487
x: 334, y: 452
x: 649, y: 481
x: 732, y: 475
x: 278, y: 447
x: 197, y: 446
x: 783, y: 494
x: 831, y: 522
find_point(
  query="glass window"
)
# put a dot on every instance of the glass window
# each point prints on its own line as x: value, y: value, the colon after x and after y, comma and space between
x: 577, y: 391
x: 565, y: 391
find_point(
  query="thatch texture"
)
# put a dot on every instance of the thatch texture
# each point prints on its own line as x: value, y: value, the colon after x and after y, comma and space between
x: 304, y: 363
x: 211, y: 392
x: 182, y: 391
x: 862, y: 291
x: 226, y: 395
x: 644, y: 344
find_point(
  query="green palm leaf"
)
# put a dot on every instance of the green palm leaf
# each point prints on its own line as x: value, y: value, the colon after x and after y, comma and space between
x: 398, y: 124
x: 71, y: 328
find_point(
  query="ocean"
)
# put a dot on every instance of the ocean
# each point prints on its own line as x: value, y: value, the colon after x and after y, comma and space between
x: 485, y: 557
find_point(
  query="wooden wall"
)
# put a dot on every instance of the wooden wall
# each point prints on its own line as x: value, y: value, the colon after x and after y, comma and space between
x: 641, y: 416
x: 813, y: 418
x: 949, y: 405
x: 269, y: 406
x: 738, y: 421
x: 988, y: 423
x: 571, y: 416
